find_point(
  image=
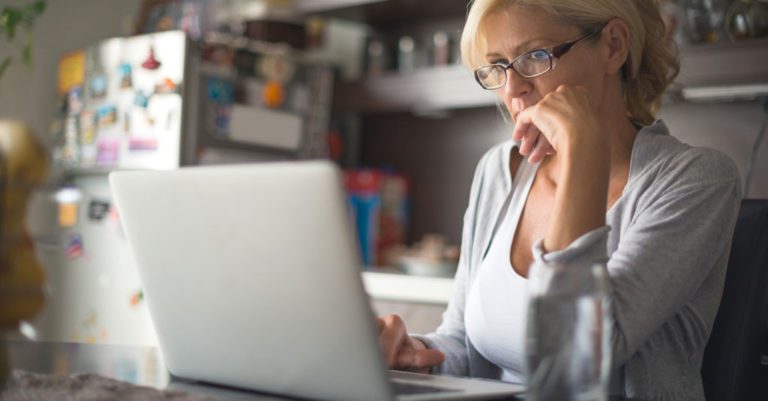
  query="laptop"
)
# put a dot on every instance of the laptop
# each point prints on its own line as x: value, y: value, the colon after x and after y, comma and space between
x: 252, y: 276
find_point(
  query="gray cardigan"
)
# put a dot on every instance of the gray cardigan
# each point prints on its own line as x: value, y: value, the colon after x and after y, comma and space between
x: 666, y: 244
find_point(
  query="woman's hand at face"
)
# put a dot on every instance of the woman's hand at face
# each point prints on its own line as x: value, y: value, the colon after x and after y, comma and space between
x: 402, y: 352
x: 557, y: 123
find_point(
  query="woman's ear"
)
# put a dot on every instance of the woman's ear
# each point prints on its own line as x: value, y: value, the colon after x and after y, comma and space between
x: 616, y: 37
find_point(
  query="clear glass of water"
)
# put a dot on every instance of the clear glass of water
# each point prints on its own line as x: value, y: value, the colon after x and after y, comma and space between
x: 569, y: 333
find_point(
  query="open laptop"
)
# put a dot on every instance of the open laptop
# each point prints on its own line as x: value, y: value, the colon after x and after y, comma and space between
x: 252, y: 278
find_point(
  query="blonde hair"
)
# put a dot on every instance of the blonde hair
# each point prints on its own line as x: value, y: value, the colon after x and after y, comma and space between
x: 652, y: 63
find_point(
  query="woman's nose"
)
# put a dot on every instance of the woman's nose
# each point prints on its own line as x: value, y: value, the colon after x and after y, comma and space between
x: 516, y: 85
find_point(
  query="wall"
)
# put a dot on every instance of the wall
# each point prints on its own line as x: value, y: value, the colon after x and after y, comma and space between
x: 440, y: 155
x: 729, y: 127
x: 29, y: 95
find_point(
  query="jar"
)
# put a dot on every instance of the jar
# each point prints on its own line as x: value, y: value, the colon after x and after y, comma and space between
x: 747, y: 19
x: 569, y: 332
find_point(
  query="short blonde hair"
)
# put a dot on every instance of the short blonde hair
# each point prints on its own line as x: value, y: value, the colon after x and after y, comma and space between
x: 652, y: 63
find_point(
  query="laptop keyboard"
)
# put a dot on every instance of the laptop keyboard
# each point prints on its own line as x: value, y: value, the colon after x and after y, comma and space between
x: 403, y: 388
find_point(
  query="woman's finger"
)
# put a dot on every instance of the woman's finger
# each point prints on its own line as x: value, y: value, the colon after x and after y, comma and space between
x: 391, y: 338
x: 411, y: 359
x: 522, y: 124
x: 540, y: 151
x: 519, y: 131
x: 530, y: 138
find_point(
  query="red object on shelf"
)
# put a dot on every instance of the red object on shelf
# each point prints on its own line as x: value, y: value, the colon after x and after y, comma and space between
x: 379, y: 205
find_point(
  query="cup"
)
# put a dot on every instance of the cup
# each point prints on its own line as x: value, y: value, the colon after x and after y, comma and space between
x: 569, y: 332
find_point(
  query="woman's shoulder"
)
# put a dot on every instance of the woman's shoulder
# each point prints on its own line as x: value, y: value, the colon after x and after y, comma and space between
x: 665, y: 159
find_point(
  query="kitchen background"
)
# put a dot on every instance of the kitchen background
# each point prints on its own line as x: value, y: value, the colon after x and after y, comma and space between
x: 398, y: 103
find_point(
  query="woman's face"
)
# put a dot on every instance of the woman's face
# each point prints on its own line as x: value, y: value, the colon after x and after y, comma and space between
x: 517, y: 30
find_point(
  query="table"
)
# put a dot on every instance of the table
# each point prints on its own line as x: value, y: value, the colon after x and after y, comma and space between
x: 140, y: 365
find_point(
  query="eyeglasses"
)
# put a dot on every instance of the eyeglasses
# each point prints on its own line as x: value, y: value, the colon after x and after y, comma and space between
x: 528, y: 65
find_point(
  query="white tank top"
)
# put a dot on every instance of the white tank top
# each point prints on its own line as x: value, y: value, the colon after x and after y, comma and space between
x: 497, y: 304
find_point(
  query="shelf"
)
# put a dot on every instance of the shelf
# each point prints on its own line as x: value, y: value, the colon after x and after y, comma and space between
x: 404, y: 288
x: 708, y: 73
x: 316, y: 6
x: 726, y: 64
x: 424, y: 90
x: 383, y: 13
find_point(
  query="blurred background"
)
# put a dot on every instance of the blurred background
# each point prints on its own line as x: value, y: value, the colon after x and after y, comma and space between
x: 375, y: 85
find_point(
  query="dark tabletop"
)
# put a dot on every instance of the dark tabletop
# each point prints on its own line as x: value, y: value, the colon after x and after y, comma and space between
x: 140, y: 365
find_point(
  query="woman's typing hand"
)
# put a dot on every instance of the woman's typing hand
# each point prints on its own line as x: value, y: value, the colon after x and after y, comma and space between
x: 403, y: 352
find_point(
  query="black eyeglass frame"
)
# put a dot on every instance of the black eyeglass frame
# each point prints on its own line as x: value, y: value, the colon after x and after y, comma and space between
x: 552, y: 53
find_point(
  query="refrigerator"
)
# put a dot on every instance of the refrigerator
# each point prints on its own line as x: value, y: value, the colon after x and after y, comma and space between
x: 149, y: 102
x: 121, y: 105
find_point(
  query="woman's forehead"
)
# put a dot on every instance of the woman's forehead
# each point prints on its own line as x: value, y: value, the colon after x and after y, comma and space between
x: 516, y: 28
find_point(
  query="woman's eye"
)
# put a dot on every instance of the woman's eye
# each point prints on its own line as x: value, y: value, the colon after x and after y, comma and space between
x: 538, y: 55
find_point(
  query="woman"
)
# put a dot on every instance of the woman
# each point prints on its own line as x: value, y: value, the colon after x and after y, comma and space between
x: 589, y: 176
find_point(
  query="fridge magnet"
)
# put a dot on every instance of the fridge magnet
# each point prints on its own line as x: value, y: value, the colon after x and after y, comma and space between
x: 71, y: 71
x: 142, y: 144
x: 71, y: 147
x: 98, y: 209
x: 151, y: 63
x: 68, y: 198
x: 137, y: 298
x: 274, y: 94
x: 67, y: 214
x: 166, y: 86
x: 74, y: 248
x: 126, y: 76
x: 141, y: 99
x: 106, y: 115
x: 278, y: 71
x: 108, y: 152
x: 75, y: 101
x: 98, y: 86
x: 88, y: 127
x: 127, y: 122
x: 89, y: 326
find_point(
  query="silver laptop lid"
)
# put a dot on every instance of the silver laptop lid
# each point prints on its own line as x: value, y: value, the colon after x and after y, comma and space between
x: 252, y: 277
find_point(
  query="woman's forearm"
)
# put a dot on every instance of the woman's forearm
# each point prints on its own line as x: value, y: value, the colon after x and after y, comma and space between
x: 582, y: 192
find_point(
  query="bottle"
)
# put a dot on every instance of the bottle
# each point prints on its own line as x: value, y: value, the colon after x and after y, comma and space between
x: 697, y: 22
x: 441, y: 49
x: 406, y: 61
x: 568, y: 332
x: 376, y: 57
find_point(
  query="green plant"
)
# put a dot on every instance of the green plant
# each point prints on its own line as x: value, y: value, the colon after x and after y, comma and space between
x: 12, y: 20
